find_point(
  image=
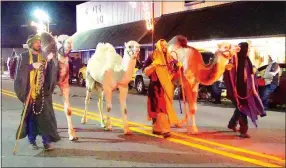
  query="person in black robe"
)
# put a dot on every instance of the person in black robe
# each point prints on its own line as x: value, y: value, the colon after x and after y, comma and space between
x: 37, y: 121
x: 242, y: 89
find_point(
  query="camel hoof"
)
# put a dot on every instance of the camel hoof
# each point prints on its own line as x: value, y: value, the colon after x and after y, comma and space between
x: 73, y: 139
x: 84, y: 120
x: 102, y: 125
x: 188, y: 130
x: 128, y: 133
x: 108, y: 128
x: 195, y: 130
x: 127, y: 130
x: 179, y: 125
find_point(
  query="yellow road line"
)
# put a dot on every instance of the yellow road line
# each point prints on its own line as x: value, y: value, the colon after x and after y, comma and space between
x: 182, y: 142
x: 12, y: 95
x: 188, y: 137
x: 194, y: 138
x: 7, y: 91
x: 227, y: 154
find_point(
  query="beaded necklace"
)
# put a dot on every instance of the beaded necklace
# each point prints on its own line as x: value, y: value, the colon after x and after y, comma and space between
x: 38, y: 83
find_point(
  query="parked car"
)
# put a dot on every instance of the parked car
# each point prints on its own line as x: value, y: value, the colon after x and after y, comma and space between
x: 131, y: 83
x: 278, y: 97
x: 82, y: 75
x: 141, y: 82
x: 204, y: 93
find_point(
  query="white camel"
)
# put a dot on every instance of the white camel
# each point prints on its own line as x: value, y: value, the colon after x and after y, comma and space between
x: 195, y: 71
x: 106, y: 70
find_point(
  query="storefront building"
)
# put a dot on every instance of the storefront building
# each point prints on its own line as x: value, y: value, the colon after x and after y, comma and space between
x: 205, y: 24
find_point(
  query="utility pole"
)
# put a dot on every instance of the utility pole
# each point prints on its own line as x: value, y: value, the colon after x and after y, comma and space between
x: 153, y: 25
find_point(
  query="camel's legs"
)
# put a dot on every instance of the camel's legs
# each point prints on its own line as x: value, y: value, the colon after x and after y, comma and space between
x: 100, y: 107
x: 192, y: 101
x: 107, y: 87
x: 193, y: 109
x: 89, y: 87
x: 122, y: 98
x: 191, y: 95
x: 108, y: 97
x: 187, y: 116
x: 86, y: 102
x: 65, y: 94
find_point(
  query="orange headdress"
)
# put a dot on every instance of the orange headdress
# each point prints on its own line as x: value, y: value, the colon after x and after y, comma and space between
x: 162, y: 70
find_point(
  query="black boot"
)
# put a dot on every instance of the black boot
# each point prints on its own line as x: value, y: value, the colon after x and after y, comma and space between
x: 48, y: 147
x: 234, y: 120
x: 243, y: 126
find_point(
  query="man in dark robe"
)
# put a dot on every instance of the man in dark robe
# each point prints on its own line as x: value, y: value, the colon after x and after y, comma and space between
x: 242, y: 90
x: 37, y: 121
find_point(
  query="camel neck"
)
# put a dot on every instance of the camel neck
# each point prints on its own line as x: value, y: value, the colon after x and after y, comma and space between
x: 128, y: 67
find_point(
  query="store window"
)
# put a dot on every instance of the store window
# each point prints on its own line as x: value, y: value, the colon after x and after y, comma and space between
x: 91, y: 52
x: 85, y: 56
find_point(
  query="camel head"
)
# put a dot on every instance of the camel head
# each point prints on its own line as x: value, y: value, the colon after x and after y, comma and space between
x: 177, y: 42
x: 227, y: 50
x: 178, y: 46
x: 64, y: 44
x: 48, y: 44
x: 132, y: 49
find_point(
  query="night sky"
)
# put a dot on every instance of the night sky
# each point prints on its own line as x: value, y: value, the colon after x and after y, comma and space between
x: 17, y: 13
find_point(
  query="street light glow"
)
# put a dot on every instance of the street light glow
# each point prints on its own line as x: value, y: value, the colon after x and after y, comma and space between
x: 147, y: 13
x: 40, y: 27
x: 41, y: 15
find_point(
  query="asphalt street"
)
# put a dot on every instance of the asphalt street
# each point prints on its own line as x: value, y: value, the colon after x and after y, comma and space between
x: 214, y: 146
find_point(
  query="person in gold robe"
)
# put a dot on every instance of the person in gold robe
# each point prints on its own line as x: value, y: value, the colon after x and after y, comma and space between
x: 162, y: 70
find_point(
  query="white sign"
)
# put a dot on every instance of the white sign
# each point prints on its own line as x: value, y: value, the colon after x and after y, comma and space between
x: 94, y: 15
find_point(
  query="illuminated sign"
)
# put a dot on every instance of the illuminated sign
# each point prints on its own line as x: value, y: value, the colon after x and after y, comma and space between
x: 94, y: 15
x: 260, y: 48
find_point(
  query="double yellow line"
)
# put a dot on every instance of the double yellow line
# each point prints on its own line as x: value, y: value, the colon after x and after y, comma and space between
x: 147, y: 131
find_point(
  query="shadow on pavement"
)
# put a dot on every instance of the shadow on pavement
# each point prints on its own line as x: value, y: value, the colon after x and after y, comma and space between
x: 132, y: 156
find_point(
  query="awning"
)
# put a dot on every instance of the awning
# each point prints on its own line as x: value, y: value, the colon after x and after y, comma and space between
x: 115, y: 35
x: 231, y: 20
x: 164, y: 26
